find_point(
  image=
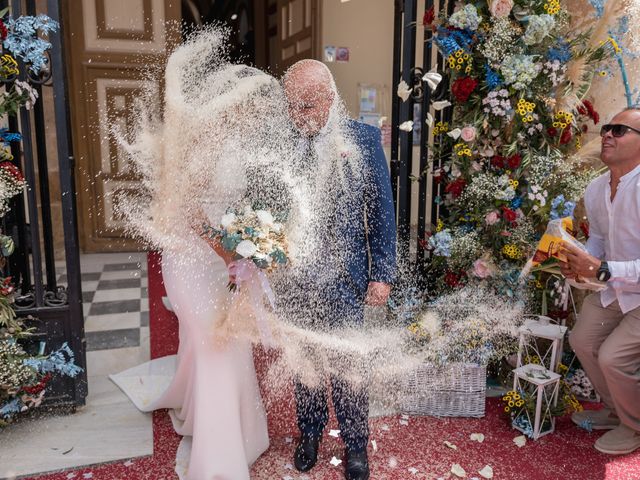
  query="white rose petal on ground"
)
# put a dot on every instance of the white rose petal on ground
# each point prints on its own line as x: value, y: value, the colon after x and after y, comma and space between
x: 450, y: 445
x: 404, y: 422
x: 335, y: 461
x: 374, y: 444
x: 287, y: 477
x: 384, y: 427
x: 288, y: 439
x: 393, y: 462
x: 71, y: 475
x: 128, y: 463
x: 458, y: 471
x: 406, y: 126
x: 246, y: 248
x: 288, y: 466
x: 404, y: 417
x: 477, y: 437
x: 412, y: 470
x: 486, y: 472
x: 334, y: 433
x: 520, y: 441
x: 87, y: 475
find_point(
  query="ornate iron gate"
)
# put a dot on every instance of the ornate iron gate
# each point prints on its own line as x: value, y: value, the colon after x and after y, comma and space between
x: 56, y: 308
x: 405, y: 67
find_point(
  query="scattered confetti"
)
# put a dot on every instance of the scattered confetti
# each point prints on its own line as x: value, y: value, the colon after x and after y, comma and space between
x: 441, y: 104
x: 87, y: 475
x: 450, y: 445
x: 71, y: 475
x: 287, y: 477
x: 520, y: 441
x: 334, y: 433
x: 374, y: 444
x: 458, y: 471
x: 404, y: 422
x: 477, y: 437
x: 486, y: 472
x: 393, y: 462
x: 128, y: 463
x: 412, y: 470
x: 385, y: 427
x: 335, y: 461
x: 288, y: 439
x: 404, y: 417
x: 288, y: 466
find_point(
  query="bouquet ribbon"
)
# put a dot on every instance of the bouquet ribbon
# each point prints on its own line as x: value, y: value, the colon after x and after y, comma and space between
x: 248, y: 274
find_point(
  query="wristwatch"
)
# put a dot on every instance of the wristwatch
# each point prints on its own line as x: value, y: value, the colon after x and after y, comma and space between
x: 603, y: 274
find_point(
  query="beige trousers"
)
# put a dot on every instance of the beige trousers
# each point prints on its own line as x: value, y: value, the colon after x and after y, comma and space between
x: 607, y: 343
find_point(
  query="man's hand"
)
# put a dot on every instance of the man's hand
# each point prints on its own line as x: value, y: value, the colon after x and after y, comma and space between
x: 579, y: 263
x: 377, y: 294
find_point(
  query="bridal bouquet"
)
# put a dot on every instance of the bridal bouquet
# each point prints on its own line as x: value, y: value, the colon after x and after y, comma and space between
x: 252, y: 235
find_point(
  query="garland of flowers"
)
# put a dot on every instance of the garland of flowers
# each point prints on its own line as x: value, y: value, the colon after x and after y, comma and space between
x: 518, y: 82
x: 24, y: 375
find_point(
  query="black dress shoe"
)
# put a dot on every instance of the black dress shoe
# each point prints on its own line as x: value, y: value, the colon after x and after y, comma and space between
x: 357, y: 466
x: 306, y: 454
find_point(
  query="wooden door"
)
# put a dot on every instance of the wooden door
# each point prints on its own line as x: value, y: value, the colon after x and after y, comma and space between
x: 286, y: 31
x: 111, y: 45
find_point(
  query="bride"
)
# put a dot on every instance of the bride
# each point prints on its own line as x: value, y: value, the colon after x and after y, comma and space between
x: 219, y: 122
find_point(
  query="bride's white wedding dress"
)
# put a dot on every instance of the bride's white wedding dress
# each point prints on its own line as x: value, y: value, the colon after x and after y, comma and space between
x: 210, y: 385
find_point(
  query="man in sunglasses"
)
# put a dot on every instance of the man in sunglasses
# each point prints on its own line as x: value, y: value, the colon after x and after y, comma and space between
x: 606, y: 337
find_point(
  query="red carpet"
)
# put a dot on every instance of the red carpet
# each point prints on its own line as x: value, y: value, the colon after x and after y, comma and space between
x: 568, y: 454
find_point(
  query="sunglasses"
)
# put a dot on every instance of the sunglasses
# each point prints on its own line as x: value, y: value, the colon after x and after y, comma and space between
x: 616, y: 129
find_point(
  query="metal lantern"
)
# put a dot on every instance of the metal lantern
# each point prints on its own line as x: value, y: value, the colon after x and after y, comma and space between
x: 541, y: 327
x: 541, y: 386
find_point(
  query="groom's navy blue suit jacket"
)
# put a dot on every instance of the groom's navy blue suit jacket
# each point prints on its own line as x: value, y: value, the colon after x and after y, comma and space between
x: 366, y: 224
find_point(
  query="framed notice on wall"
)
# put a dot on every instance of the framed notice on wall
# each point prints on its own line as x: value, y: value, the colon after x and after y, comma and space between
x: 372, y: 103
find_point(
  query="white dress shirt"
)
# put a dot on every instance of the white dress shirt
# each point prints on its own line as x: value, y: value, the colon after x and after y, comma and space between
x: 614, y: 236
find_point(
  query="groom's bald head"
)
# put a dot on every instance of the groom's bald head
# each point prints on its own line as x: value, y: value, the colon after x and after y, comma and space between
x: 310, y: 91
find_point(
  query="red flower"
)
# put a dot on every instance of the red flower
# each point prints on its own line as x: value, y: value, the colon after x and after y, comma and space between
x: 429, y: 17
x: 514, y: 161
x: 552, y: 131
x: 438, y: 175
x: 509, y: 215
x: 454, y: 280
x: 456, y: 187
x: 566, y: 136
x: 463, y: 87
x: 12, y: 170
x: 498, y: 161
x: 587, y: 109
x: 37, y: 388
x: 3, y: 30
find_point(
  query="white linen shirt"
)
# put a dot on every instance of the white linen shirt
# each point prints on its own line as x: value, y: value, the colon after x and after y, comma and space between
x: 614, y: 236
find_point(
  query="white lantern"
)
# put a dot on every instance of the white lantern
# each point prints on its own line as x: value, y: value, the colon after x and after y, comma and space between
x: 535, y: 383
x: 541, y: 327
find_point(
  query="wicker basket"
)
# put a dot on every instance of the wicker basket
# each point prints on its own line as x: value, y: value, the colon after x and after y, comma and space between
x: 457, y: 390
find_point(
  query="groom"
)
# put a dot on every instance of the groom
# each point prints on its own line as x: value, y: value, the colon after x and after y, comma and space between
x: 360, y: 222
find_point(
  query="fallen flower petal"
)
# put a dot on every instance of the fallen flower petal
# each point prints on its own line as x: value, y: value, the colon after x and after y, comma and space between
x: 404, y: 91
x: 406, y: 126
x: 520, y: 441
x: 477, y: 437
x: 412, y: 470
x: 486, y: 472
x: 458, y: 471
x: 450, y: 445
x: 334, y: 433
x: 335, y: 461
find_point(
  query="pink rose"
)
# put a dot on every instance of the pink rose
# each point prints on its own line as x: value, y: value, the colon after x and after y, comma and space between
x: 500, y: 8
x: 482, y: 269
x: 468, y: 134
x: 492, y: 218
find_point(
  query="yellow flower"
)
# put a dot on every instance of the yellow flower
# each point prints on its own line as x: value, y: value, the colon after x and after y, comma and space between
x: 512, y: 251
x: 458, y: 53
x: 439, y: 225
x: 511, y: 392
x: 519, y: 403
x: 516, y: 396
x: 507, y: 409
x: 511, y: 404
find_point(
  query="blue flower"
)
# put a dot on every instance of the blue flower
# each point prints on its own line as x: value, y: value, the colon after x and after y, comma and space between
x: 6, y: 136
x: 598, y: 5
x: 561, y: 208
x: 23, y: 41
x: 448, y: 45
x: 587, y: 425
x: 492, y: 78
x: 516, y: 203
x: 441, y: 243
x: 560, y: 51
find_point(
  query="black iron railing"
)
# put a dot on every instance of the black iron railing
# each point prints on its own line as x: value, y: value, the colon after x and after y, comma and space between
x: 406, y: 36
x: 56, y: 309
